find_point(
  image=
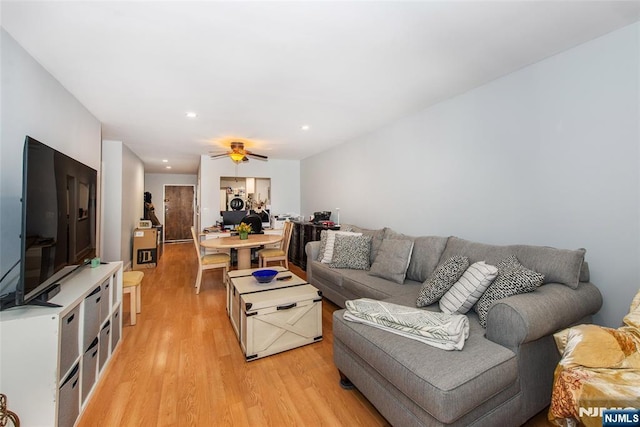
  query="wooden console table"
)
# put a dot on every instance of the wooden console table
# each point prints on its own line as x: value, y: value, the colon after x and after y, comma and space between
x: 302, y: 233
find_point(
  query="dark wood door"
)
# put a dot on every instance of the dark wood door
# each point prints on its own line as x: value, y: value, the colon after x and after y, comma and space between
x: 178, y: 212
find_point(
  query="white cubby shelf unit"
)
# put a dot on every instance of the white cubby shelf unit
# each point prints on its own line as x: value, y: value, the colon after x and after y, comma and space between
x: 51, y: 358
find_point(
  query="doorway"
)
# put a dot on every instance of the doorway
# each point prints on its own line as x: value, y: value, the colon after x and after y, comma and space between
x: 178, y: 212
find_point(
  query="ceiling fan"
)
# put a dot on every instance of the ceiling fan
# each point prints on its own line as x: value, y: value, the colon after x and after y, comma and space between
x: 238, y: 154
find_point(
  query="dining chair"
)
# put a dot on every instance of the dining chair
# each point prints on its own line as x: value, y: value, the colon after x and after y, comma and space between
x: 209, y: 262
x: 280, y: 254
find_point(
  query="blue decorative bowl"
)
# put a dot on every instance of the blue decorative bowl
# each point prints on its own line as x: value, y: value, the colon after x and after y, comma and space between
x: 264, y: 276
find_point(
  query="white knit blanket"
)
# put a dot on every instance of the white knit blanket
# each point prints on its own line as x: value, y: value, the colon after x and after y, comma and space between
x: 441, y: 330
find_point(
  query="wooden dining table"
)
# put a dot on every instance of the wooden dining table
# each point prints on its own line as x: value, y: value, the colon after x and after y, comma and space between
x: 243, y: 246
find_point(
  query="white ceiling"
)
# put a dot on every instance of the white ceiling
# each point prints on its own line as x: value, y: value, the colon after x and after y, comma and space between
x: 260, y: 70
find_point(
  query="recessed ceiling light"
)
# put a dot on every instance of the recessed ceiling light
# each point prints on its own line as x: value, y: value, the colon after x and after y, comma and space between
x: 191, y: 115
x: 165, y: 161
x: 305, y: 127
x: 168, y: 167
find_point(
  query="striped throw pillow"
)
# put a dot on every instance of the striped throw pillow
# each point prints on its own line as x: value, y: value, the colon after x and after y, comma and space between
x: 469, y: 288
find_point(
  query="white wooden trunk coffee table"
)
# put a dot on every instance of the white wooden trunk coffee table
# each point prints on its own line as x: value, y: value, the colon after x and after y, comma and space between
x: 274, y: 317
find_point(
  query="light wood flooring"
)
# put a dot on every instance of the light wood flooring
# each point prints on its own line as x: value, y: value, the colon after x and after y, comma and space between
x: 181, y: 365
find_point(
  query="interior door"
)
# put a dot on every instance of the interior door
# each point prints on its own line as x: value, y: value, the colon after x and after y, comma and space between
x: 178, y: 212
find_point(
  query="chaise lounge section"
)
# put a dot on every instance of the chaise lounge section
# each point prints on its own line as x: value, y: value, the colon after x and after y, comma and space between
x: 504, y: 373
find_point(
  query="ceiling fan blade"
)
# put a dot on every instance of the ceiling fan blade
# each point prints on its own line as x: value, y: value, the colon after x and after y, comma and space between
x: 256, y: 156
x: 218, y: 156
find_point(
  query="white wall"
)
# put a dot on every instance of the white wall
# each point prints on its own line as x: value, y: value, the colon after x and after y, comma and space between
x: 35, y: 104
x: 285, y: 184
x: 112, y: 200
x: 132, y: 199
x: 123, y: 206
x: 154, y: 183
x: 548, y: 155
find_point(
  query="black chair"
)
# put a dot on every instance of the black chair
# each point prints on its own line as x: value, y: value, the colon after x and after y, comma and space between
x: 255, y: 221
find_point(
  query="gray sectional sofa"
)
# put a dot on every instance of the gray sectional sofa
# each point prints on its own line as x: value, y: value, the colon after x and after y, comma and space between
x: 503, y: 375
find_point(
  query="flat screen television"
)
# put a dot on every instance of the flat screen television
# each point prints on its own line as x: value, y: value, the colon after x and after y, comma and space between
x: 58, y: 220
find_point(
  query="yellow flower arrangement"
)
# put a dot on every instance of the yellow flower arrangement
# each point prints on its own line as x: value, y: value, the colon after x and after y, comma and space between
x: 243, y: 228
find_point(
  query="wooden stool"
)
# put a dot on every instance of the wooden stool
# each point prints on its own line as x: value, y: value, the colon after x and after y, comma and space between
x: 131, y: 283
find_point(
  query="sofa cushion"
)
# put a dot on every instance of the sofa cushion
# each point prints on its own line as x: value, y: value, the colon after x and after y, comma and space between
x: 442, y: 279
x: 325, y: 274
x: 392, y: 234
x: 513, y: 279
x: 360, y: 283
x: 557, y: 265
x: 376, y: 239
x: 469, y: 288
x: 425, y: 257
x: 585, y: 276
x: 351, y: 252
x: 392, y: 260
x: 447, y: 384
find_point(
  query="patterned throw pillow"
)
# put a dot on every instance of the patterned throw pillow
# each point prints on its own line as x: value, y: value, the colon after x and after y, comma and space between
x: 323, y: 245
x: 392, y: 260
x: 513, y: 279
x: 466, y: 291
x: 331, y: 240
x: 443, y: 278
x: 351, y: 252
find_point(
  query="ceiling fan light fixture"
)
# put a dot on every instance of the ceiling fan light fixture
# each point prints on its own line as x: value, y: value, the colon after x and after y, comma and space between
x: 238, y: 154
x: 236, y: 157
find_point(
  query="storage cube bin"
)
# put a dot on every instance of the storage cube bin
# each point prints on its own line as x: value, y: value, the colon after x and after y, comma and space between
x: 69, y: 342
x: 91, y: 317
x: 69, y: 399
x: 105, y: 300
x: 104, y: 344
x: 89, y: 365
x: 115, y: 328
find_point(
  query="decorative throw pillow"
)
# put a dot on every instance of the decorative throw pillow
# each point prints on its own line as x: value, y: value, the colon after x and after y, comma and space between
x: 323, y: 245
x: 351, y: 252
x: 392, y: 260
x: 331, y: 240
x: 469, y: 288
x: 443, y: 278
x: 513, y: 279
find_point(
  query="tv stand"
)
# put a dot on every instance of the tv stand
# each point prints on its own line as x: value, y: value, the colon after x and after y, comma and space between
x: 52, y: 357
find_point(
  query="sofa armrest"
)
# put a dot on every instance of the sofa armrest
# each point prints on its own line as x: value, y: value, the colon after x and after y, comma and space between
x: 312, y: 249
x: 527, y: 317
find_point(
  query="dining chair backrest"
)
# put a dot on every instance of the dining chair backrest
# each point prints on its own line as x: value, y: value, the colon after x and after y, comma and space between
x: 196, y: 242
x: 255, y: 221
x: 286, y: 236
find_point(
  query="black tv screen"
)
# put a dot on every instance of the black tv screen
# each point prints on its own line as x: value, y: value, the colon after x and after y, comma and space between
x: 58, y: 217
